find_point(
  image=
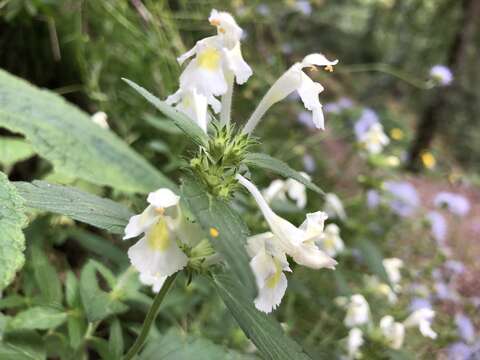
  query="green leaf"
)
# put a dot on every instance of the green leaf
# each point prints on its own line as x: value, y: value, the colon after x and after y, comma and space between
x: 39, y: 317
x: 163, y: 124
x: 261, y: 329
x: 45, y: 275
x: 187, y: 125
x: 267, y: 162
x: 72, y: 290
x: 22, y: 345
x: 97, y: 303
x: 79, y: 205
x: 66, y: 136
x: 176, y: 345
x: 12, y: 240
x: 13, y: 150
x: 373, y: 258
x: 115, y: 341
x: 232, y: 231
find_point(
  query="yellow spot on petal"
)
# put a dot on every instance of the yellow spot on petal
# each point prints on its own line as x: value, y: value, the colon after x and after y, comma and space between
x: 158, y: 238
x: 214, y: 232
x: 209, y: 59
x: 222, y: 30
x: 397, y: 134
x: 273, y: 280
x: 312, y: 68
x: 428, y: 160
x: 329, y: 68
x: 215, y: 22
x: 160, y: 211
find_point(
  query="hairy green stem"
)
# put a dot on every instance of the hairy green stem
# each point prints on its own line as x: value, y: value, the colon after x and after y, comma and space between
x: 150, y: 318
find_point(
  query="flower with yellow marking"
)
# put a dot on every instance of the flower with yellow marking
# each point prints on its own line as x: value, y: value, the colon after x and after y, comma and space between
x: 428, y: 160
x: 214, y: 232
x: 397, y: 134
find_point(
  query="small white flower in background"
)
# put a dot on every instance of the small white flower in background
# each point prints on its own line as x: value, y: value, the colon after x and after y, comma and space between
x: 331, y: 242
x: 441, y: 74
x: 298, y: 242
x: 157, y: 252
x: 392, y: 267
x: 194, y: 105
x: 457, y: 204
x: 394, y: 332
x: 278, y: 189
x: 334, y: 207
x: 438, y: 226
x: 404, y: 199
x: 423, y: 319
x: 354, y: 343
x: 374, y: 139
x: 100, y: 118
x: 268, y: 265
x: 373, y: 284
x: 294, y: 79
x: 358, y: 311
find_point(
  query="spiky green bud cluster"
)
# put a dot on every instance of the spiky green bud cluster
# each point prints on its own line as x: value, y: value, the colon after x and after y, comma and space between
x: 217, y: 163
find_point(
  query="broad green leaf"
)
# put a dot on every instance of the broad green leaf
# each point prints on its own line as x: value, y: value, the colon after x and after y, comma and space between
x: 97, y: 303
x: 79, y: 205
x: 267, y: 162
x: 187, y: 125
x: 39, y: 317
x: 76, y: 326
x: 45, y: 275
x: 13, y: 150
x: 176, y: 345
x: 66, y: 136
x: 22, y: 345
x: 232, y: 235
x: 260, y: 328
x: 115, y: 341
x: 72, y: 290
x: 373, y: 258
x: 12, y: 240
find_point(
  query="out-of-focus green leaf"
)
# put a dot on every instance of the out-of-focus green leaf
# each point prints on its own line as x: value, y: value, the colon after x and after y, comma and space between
x: 79, y: 205
x: 12, y: 240
x: 22, y: 345
x: 39, y: 317
x: 115, y: 341
x: 45, y: 275
x: 97, y: 303
x: 189, y: 127
x: 66, y: 136
x: 260, y: 328
x: 232, y: 232
x: 267, y: 162
x: 373, y: 258
x: 163, y: 124
x: 175, y: 345
x: 13, y: 150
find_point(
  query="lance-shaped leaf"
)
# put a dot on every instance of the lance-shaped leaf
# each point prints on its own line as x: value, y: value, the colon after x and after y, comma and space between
x: 184, y: 123
x: 12, y: 240
x: 79, y: 205
x: 267, y: 162
x: 228, y: 233
x: 261, y: 329
x: 66, y: 136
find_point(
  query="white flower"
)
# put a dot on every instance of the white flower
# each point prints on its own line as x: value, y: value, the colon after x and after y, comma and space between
x: 394, y: 332
x: 334, y: 207
x: 298, y: 242
x: 376, y: 286
x: 423, y: 319
x: 392, y: 267
x: 354, y: 342
x: 268, y: 264
x: 441, y: 74
x: 278, y: 189
x: 157, y: 252
x: 156, y: 282
x: 374, y: 139
x: 331, y: 242
x: 358, y: 311
x: 100, y: 118
x: 294, y: 79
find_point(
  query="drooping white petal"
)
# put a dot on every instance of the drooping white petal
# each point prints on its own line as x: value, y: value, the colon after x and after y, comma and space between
x: 163, y: 198
x: 358, y: 311
x: 309, y: 92
x: 156, y: 282
x: 238, y: 65
x: 422, y: 318
x: 317, y: 59
x: 394, y: 332
x: 140, y: 223
x: 334, y: 207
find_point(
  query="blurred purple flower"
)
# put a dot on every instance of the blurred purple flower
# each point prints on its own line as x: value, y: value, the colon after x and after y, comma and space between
x: 404, y: 198
x: 332, y: 107
x: 309, y: 163
x: 287, y: 48
x: 438, y: 226
x: 442, y: 74
x: 455, y: 266
x: 364, y: 122
x: 305, y: 118
x: 303, y: 6
x: 455, y: 203
x: 373, y: 199
x: 263, y: 9
x: 465, y: 327
x: 345, y: 103
x: 459, y: 351
x: 419, y: 303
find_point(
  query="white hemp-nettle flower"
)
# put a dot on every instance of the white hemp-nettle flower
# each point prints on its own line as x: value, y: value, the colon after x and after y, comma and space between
x: 373, y: 284
x: 157, y: 253
x: 354, y: 343
x: 279, y: 189
x: 268, y: 265
x: 298, y: 242
x: 358, y: 311
x: 331, y: 242
x: 194, y: 105
x: 423, y: 319
x: 392, y: 331
x: 100, y: 118
x: 375, y: 139
x: 392, y: 268
x: 156, y: 282
x: 294, y: 79
x: 334, y: 207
